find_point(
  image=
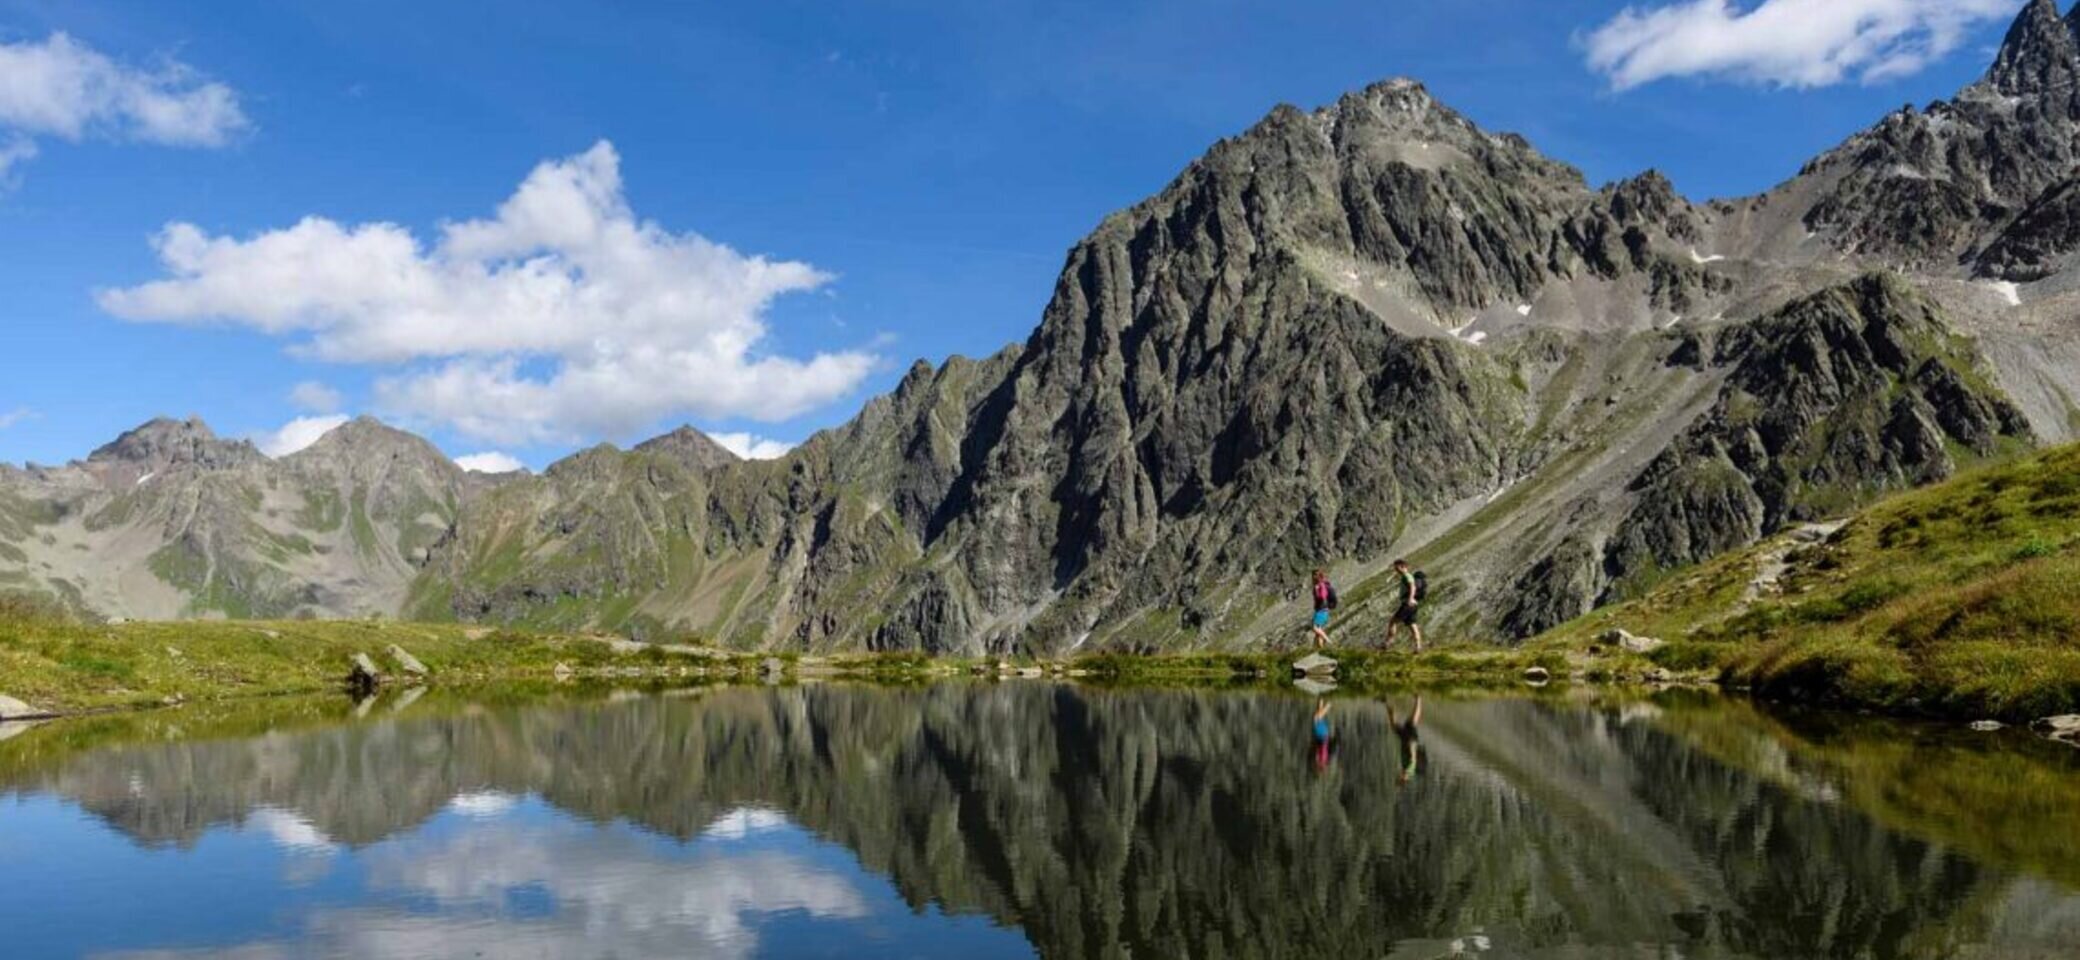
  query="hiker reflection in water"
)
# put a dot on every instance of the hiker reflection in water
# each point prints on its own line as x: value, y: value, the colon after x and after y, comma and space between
x: 1411, y: 740
x: 1324, y: 734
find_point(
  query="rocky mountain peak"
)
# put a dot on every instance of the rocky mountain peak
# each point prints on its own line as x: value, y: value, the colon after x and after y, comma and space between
x: 2040, y: 55
x: 164, y: 442
x: 365, y: 438
x: 691, y: 447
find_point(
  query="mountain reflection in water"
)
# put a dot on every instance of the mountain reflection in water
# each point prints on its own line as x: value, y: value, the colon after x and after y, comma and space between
x: 1026, y: 818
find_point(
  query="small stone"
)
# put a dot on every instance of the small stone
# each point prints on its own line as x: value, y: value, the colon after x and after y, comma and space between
x: 563, y: 671
x: 1030, y: 672
x: 772, y: 667
x: 363, y: 678
x: 174, y: 652
x: 1987, y: 726
x: 1660, y: 675
x: 1314, y: 664
x: 1632, y: 642
x: 172, y: 700
x: 1537, y: 674
x: 405, y: 661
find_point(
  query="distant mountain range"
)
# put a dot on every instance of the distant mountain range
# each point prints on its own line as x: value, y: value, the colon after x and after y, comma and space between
x: 1366, y: 331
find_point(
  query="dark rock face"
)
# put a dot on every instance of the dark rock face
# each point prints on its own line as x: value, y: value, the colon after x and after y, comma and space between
x: 2029, y: 246
x: 2039, y: 55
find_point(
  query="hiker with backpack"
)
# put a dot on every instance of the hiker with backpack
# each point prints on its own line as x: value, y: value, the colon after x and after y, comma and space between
x: 1324, y: 601
x: 1412, y: 586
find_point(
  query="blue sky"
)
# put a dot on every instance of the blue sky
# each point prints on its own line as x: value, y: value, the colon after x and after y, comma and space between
x: 888, y: 181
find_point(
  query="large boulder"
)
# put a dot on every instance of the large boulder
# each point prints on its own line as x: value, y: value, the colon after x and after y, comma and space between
x: 1631, y: 642
x: 1314, y: 665
x: 362, y: 676
x: 406, y: 662
x: 12, y: 709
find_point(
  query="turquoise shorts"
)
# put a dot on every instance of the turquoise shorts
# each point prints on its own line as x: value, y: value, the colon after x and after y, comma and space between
x: 1321, y: 619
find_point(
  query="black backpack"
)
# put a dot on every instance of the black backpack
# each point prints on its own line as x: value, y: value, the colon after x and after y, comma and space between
x: 1422, y: 586
x: 1332, y: 596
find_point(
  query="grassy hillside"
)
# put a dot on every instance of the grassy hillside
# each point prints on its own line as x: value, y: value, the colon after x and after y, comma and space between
x: 1959, y: 599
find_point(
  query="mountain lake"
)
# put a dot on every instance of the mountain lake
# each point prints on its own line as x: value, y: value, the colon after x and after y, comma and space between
x: 1032, y: 819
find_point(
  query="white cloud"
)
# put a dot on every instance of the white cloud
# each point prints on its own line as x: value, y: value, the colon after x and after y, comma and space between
x: 315, y: 397
x: 752, y: 446
x: 616, y: 893
x: 63, y: 88
x: 1787, y: 43
x: 489, y: 462
x: 290, y: 830
x: 744, y: 822
x: 488, y: 804
x: 297, y: 434
x: 17, y: 415
x: 563, y: 317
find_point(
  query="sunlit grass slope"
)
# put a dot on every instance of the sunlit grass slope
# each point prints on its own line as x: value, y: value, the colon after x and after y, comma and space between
x: 1959, y: 599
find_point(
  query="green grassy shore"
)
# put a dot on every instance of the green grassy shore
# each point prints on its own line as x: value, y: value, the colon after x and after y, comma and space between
x: 70, y: 667
x: 1957, y: 600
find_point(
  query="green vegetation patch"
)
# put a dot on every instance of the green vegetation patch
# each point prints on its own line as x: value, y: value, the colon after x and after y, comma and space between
x: 1958, y: 600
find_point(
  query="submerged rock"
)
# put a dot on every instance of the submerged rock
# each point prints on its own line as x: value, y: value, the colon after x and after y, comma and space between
x: 1315, y: 685
x: 1987, y: 726
x: 2064, y: 727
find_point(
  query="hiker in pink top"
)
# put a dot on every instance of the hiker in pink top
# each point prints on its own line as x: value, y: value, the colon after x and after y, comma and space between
x: 1324, y: 601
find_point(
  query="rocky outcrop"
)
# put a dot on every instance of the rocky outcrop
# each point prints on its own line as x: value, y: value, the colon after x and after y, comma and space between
x: 1858, y: 389
x: 1922, y: 187
x: 691, y: 448
x: 2033, y: 245
x: 164, y: 444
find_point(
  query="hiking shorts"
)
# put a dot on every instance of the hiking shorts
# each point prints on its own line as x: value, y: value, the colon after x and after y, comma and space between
x: 1406, y: 614
x: 1321, y: 619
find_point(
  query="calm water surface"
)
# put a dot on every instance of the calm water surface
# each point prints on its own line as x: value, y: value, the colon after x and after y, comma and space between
x: 1028, y: 819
